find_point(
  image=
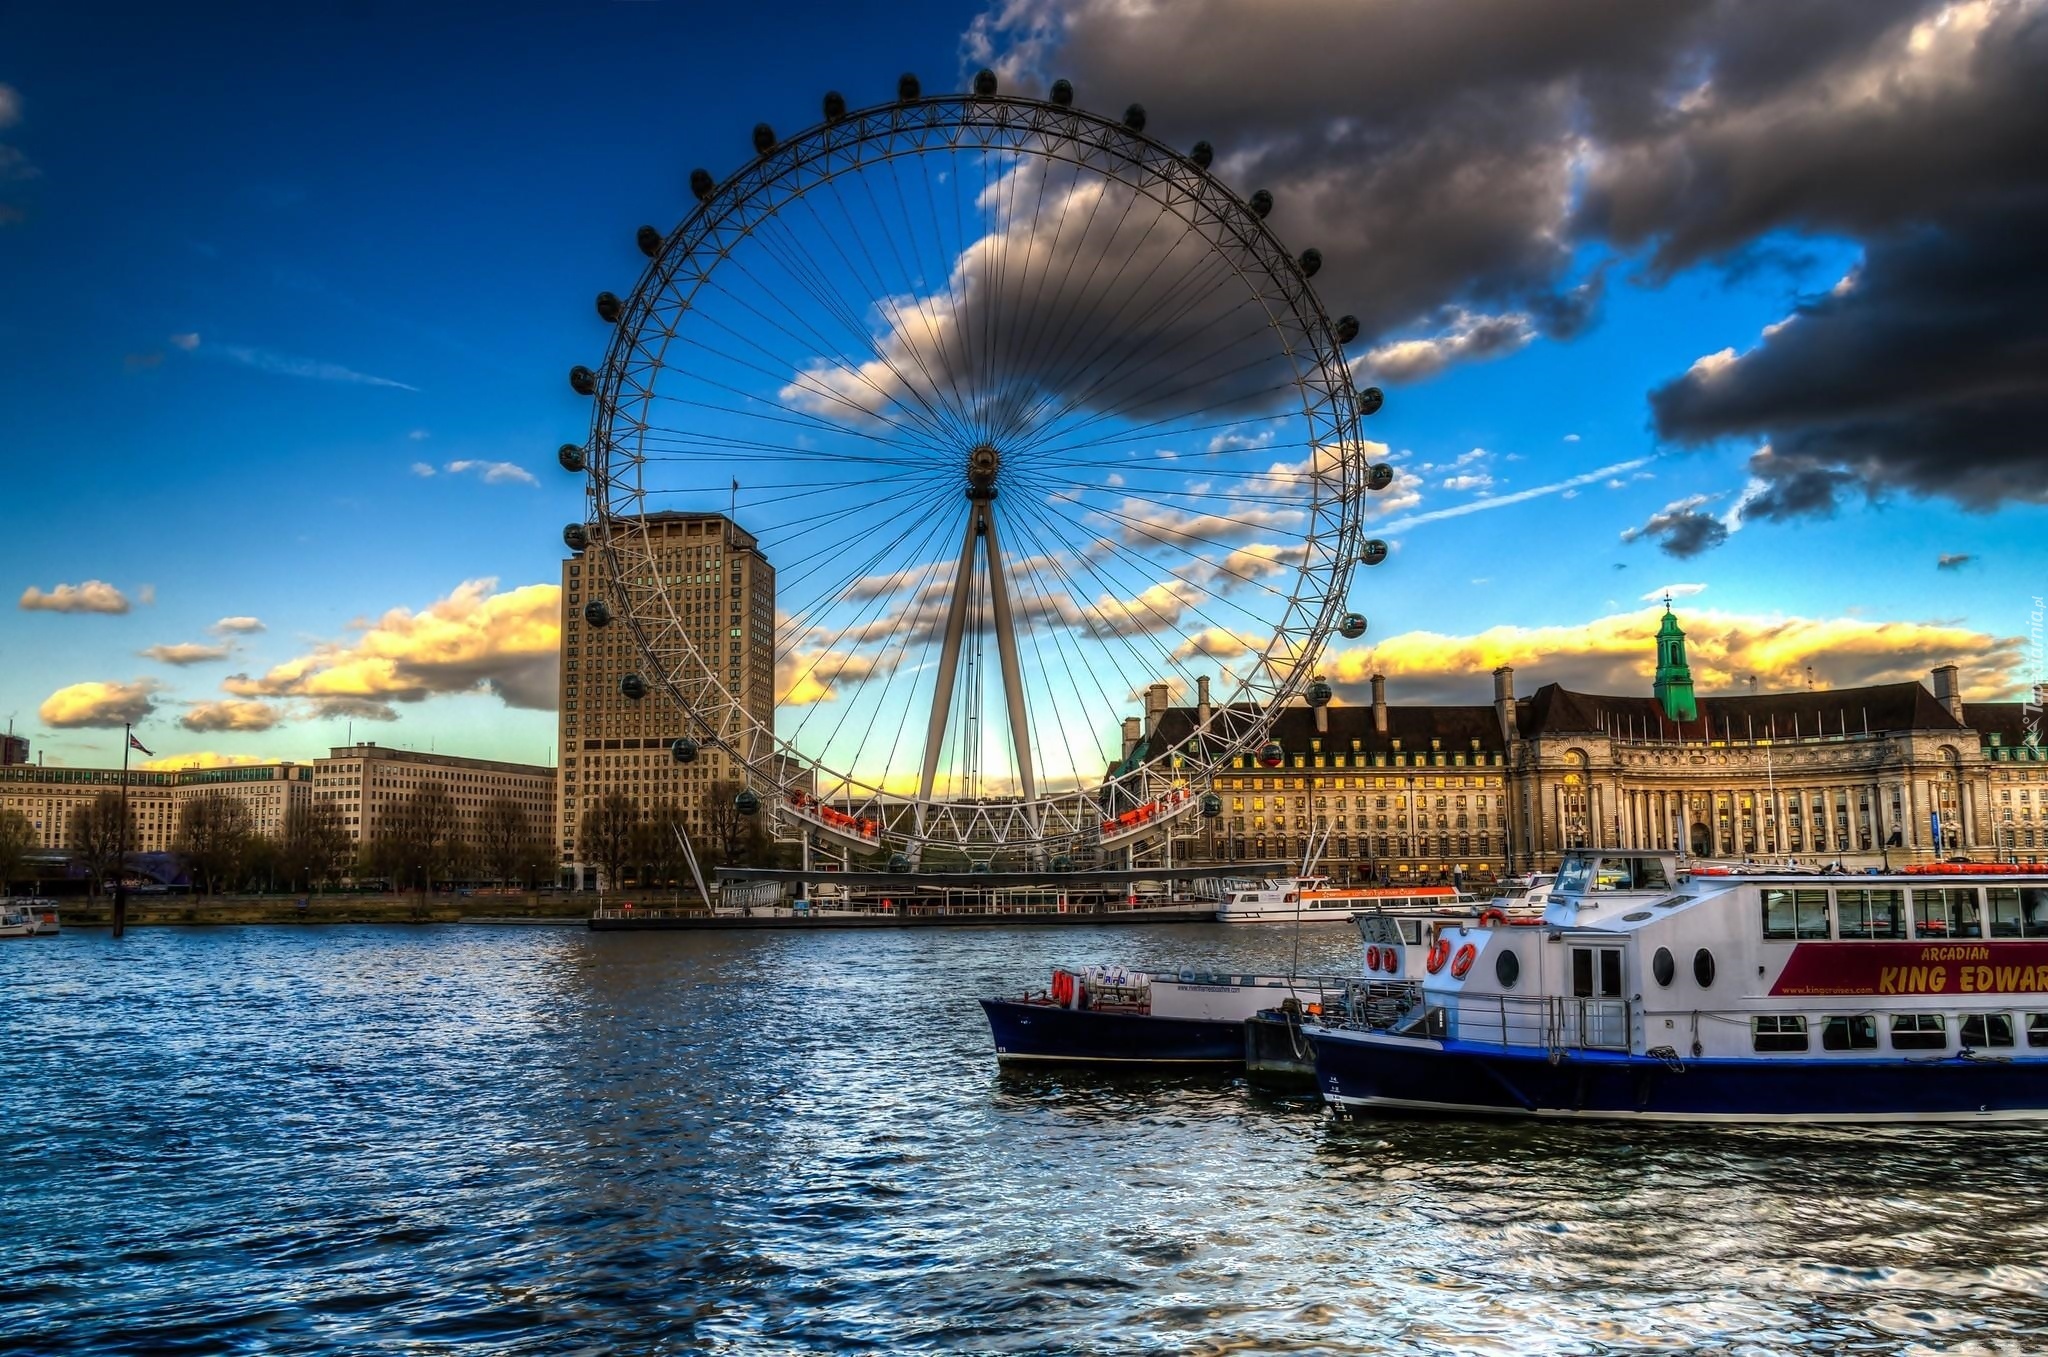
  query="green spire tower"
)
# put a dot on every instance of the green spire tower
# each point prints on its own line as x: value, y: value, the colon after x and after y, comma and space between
x: 1674, y: 676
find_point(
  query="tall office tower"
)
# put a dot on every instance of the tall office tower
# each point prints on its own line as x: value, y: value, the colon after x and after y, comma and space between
x: 725, y: 592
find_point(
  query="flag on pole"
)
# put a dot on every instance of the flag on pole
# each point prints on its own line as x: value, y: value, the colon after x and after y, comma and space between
x: 136, y: 744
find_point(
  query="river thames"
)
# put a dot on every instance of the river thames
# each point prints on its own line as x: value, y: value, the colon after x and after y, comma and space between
x: 539, y: 1140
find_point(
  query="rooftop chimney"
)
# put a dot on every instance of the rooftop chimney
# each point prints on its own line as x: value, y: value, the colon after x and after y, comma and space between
x: 1379, y: 703
x: 1155, y: 707
x: 1134, y: 730
x: 1948, y: 691
x: 1202, y: 701
x: 1504, y: 701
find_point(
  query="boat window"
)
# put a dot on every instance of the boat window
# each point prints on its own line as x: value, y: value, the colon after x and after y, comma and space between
x: 1987, y: 1029
x: 1663, y: 967
x: 1575, y: 876
x: 2018, y: 911
x: 1703, y: 968
x: 1919, y: 1032
x: 1795, y: 914
x: 1950, y: 913
x: 2037, y: 1029
x: 1778, y: 1033
x: 1871, y: 914
x: 1596, y: 972
x: 1507, y: 968
x: 1411, y: 932
x: 1853, y: 1033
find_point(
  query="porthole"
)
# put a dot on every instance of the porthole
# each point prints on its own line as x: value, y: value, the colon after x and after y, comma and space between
x: 1663, y: 967
x: 1637, y: 917
x: 1703, y: 968
x: 1507, y: 968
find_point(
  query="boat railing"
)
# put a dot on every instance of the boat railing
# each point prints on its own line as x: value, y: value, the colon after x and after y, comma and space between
x: 1548, y: 1021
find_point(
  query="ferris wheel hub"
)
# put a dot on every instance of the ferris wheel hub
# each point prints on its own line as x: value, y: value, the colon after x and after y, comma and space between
x: 982, y: 465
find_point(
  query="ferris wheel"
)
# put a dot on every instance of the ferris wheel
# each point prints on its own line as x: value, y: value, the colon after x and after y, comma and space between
x: 1030, y: 413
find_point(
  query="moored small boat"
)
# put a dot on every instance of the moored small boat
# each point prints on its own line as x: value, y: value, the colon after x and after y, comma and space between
x: 1166, y: 1019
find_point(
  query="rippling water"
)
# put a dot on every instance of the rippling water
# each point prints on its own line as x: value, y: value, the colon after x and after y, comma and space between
x: 542, y: 1140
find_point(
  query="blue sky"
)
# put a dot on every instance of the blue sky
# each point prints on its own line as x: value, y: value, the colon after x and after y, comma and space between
x: 261, y: 264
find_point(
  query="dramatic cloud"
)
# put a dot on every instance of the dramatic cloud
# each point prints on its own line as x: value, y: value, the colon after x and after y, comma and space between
x: 99, y: 704
x: 493, y: 473
x: 1662, y: 592
x: 804, y: 678
x: 238, y: 626
x: 1454, y: 162
x: 231, y: 715
x: 187, y: 652
x: 1464, y: 336
x: 1681, y: 529
x: 474, y: 640
x: 93, y: 596
x: 1617, y: 654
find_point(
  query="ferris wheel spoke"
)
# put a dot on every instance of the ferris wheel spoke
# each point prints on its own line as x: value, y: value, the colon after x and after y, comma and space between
x: 1083, y: 325
x: 1208, y: 579
x: 1163, y: 313
x: 941, y: 421
x: 1120, y: 625
x: 961, y: 411
x: 932, y: 423
x: 1186, y: 381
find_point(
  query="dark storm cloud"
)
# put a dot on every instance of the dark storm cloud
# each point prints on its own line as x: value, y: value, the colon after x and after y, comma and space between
x: 1681, y: 529
x: 1448, y: 159
x: 1928, y: 373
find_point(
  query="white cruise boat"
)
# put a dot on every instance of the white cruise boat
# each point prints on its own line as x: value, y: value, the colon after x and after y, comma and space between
x: 28, y: 918
x: 1651, y: 991
x: 1312, y: 900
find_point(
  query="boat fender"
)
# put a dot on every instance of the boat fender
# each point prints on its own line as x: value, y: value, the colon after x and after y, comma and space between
x: 1463, y: 961
x: 1439, y: 953
x: 1494, y: 916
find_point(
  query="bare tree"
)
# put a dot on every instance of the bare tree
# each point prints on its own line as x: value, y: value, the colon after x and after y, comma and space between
x: 314, y: 844
x: 17, y: 837
x: 95, y: 836
x: 656, y: 847
x: 213, y: 837
x: 736, y: 837
x: 430, y: 826
x: 505, y: 830
x: 606, y: 835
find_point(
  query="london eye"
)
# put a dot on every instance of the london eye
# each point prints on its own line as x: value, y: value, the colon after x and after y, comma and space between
x: 1031, y: 413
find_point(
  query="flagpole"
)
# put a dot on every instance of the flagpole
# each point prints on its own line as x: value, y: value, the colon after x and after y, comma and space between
x: 121, y: 862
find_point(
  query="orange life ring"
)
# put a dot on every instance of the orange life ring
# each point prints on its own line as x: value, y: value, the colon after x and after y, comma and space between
x: 1372, y: 958
x: 1494, y: 916
x: 1439, y: 953
x: 1463, y: 961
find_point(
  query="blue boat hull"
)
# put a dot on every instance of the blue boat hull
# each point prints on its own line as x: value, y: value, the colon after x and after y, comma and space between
x: 1042, y: 1032
x: 1386, y: 1073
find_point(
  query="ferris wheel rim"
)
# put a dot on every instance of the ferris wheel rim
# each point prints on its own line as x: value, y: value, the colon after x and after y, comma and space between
x: 829, y: 150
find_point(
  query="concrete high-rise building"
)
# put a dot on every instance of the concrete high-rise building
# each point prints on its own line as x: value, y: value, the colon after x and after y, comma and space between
x: 725, y: 590
x: 13, y: 749
x: 368, y: 785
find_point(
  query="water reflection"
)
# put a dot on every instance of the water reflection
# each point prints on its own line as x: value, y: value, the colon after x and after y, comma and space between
x: 534, y: 1140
